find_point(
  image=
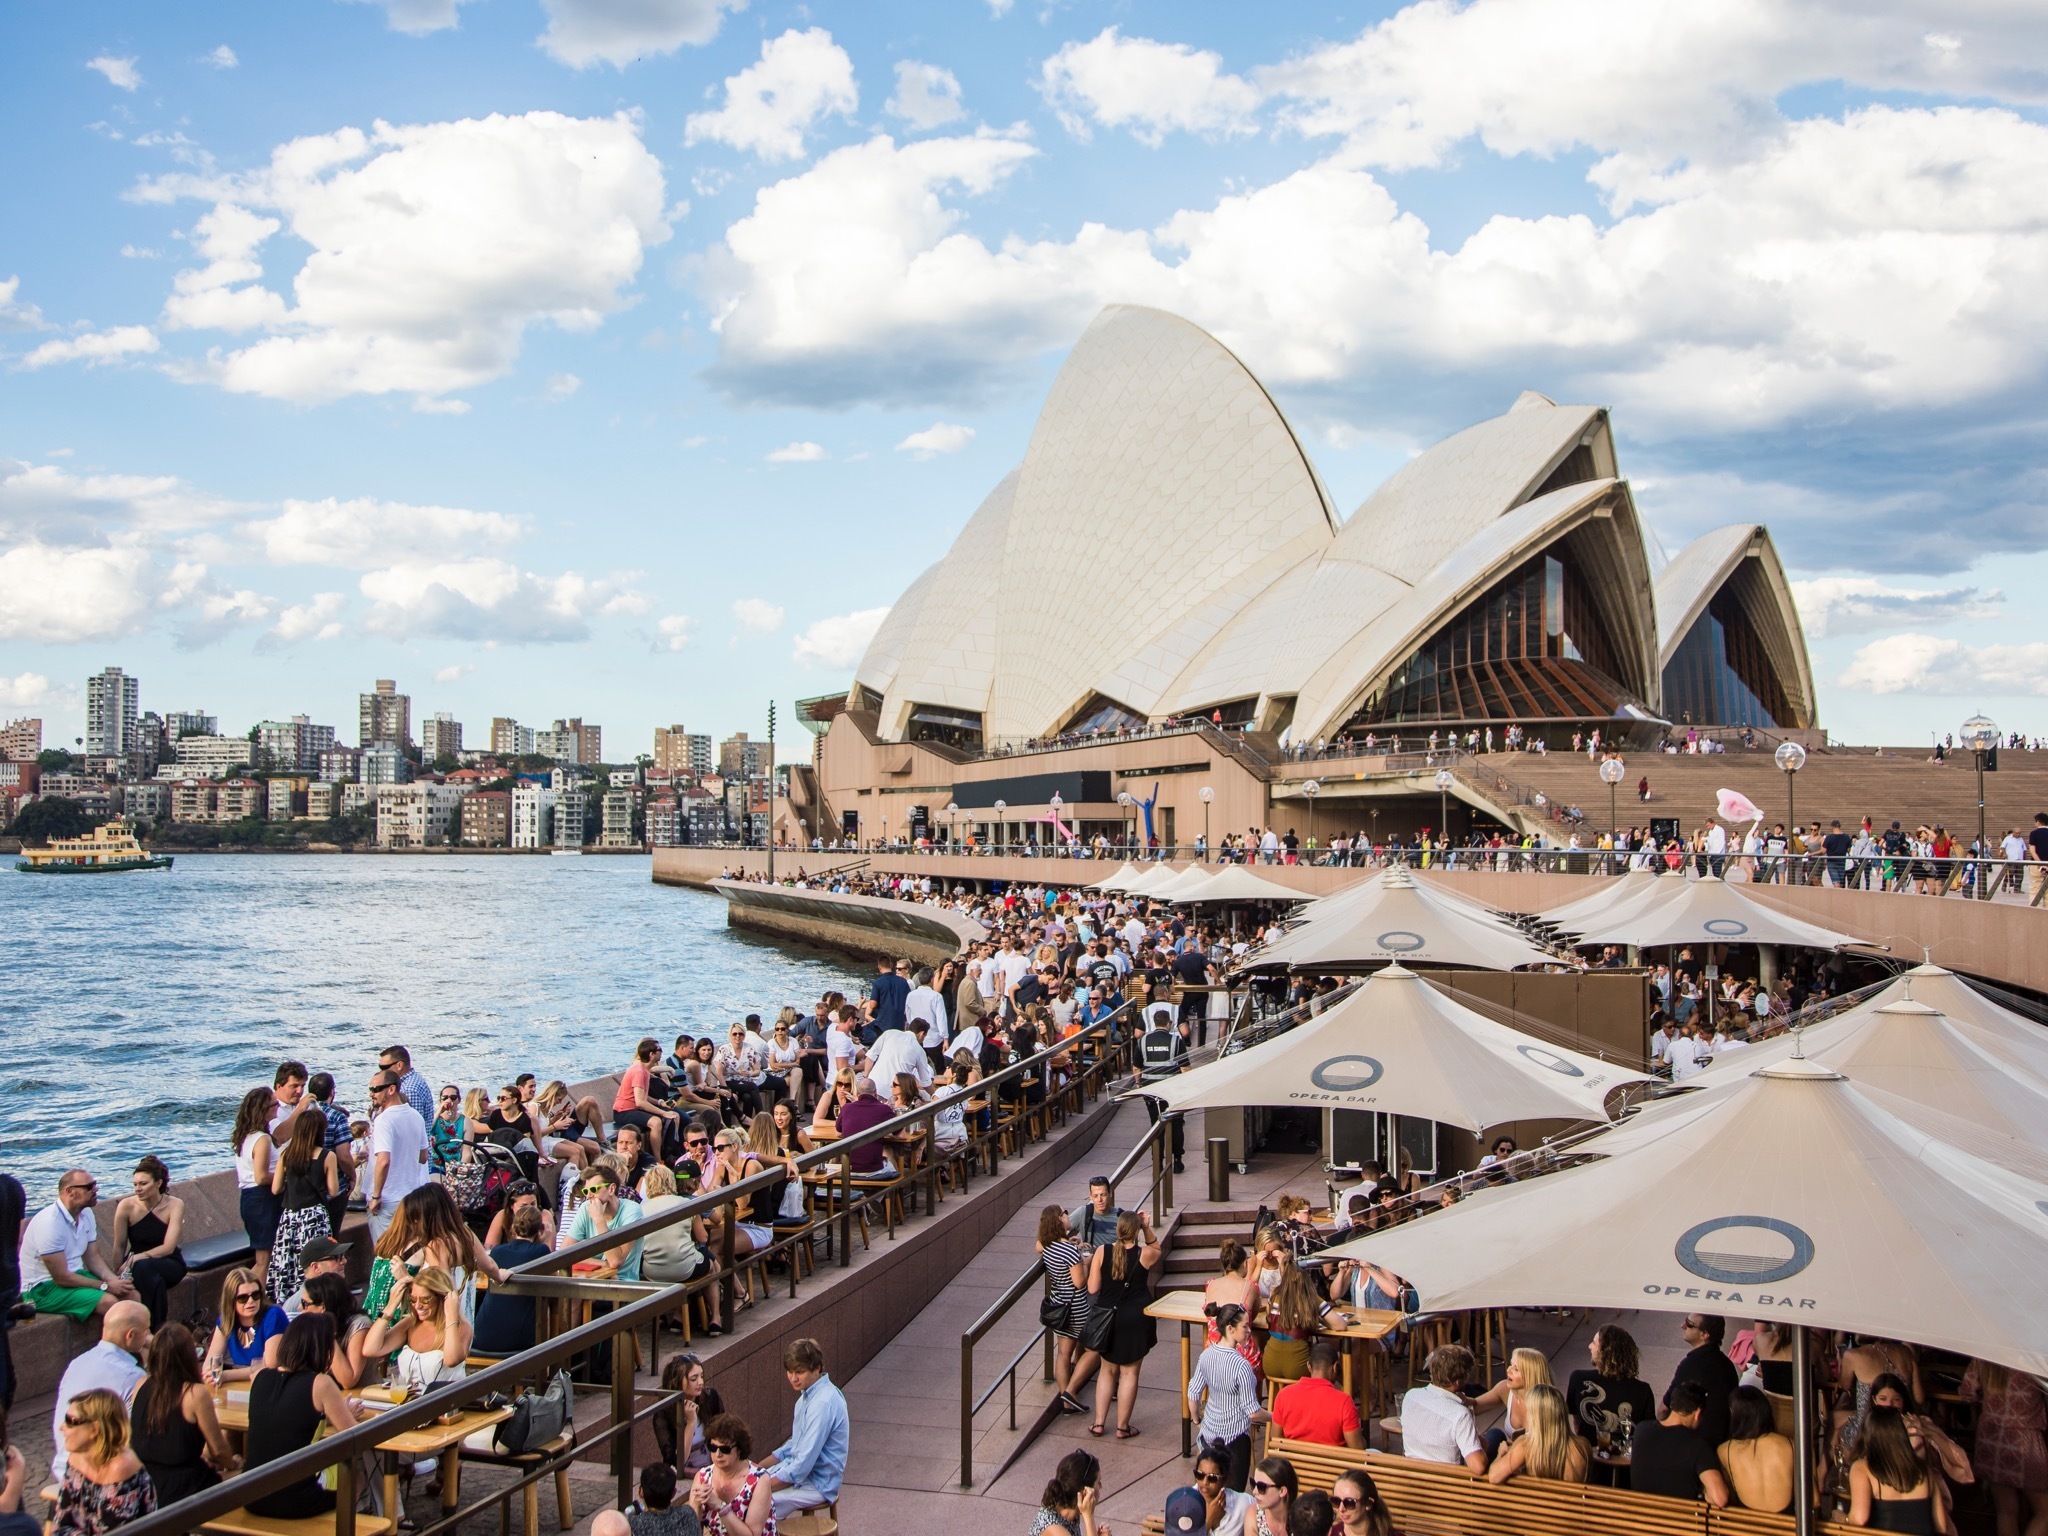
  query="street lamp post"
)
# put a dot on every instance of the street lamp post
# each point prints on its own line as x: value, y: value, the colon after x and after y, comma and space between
x: 952, y: 827
x: 771, y: 791
x: 1790, y: 758
x: 1611, y: 772
x: 1208, y: 796
x: 1056, y: 802
x: 1981, y: 737
x: 1002, y: 828
x: 1312, y: 788
x: 1124, y: 799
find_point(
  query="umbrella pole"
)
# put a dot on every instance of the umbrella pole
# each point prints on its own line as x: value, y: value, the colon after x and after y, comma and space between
x: 1802, y: 1432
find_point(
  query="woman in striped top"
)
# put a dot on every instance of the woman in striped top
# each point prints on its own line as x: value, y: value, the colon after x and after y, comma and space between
x: 1223, y: 1392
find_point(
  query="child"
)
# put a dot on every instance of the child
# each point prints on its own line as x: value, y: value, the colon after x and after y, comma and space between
x: 359, y: 1151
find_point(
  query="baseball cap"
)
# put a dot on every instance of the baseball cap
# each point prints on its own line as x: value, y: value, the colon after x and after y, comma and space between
x: 1187, y: 1513
x: 320, y: 1249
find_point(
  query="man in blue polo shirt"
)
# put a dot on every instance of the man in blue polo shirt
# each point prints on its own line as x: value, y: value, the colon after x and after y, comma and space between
x: 887, y: 998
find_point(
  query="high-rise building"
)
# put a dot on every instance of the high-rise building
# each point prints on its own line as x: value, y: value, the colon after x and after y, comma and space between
x: 511, y: 739
x: 21, y: 740
x: 740, y: 758
x: 384, y: 765
x: 337, y: 763
x: 570, y: 814
x: 281, y: 746
x: 617, y: 831
x: 571, y: 741
x: 677, y: 751
x: 441, y: 736
x: 113, y: 706
x: 487, y: 819
x: 189, y: 722
x: 665, y: 825
x: 210, y: 757
x: 533, y: 815
x: 384, y: 716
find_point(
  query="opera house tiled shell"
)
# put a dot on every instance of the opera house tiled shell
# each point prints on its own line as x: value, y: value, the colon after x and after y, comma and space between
x: 1500, y: 576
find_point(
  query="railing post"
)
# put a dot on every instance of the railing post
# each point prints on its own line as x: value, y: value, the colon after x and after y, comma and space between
x: 845, y: 1210
x: 1048, y: 1332
x: 1158, y: 1141
x: 345, y: 1497
x: 622, y: 1412
x: 966, y: 1411
x: 728, y: 1288
x: 1168, y: 1124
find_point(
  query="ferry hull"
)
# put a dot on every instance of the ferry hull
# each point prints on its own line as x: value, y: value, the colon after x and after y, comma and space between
x: 160, y: 861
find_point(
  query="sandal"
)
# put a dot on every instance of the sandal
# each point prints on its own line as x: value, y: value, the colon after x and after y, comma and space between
x: 1095, y: 1430
x: 1127, y: 1431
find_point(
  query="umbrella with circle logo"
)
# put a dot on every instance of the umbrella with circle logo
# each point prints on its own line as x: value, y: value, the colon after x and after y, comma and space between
x: 1398, y: 1045
x: 1704, y: 911
x: 1613, y: 896
x: 1399, y: 920
x: 1803, y: 1195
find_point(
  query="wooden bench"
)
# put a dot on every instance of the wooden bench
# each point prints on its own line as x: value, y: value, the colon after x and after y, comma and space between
x: 239, y: 1522
x: 1315, y: 1465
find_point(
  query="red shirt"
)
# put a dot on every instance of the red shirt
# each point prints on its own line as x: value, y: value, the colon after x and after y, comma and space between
x: 635, y: 1076
x: 1314, y: 1409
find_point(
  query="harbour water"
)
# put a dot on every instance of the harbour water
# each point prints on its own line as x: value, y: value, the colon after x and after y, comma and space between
x: 137, y: 1009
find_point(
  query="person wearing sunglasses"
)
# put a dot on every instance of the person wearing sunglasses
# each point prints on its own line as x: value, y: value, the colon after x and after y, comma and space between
x: 104, y: 1484
x: 243, y: 1339
x: 1273, y: 1485
x: 731, y: 1496
x: 604, y: 1210
x: 1225, y: 1507
x: 1360, y: 1509
x: 77, y: 1281
x: 113, y: 1365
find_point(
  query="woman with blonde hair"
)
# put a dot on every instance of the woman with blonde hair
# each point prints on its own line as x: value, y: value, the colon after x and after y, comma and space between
x: 1526, y: 1368
x: 1120, y: 1283
x: 422, y: 1331
x: 2011, y: 1453
x: 566, y: 1120
x: 104, y: 1484
x: 1547, y: 1448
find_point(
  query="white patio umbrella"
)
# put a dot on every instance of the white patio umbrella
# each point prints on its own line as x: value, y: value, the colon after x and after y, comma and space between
x: 1403, y: 921
x: 1613, y: 891
x: 1400, y: 1046
x: 1182, y: 886
x: 1234, y: 882
x: 1802, y: 1194
x: 1704, y: 911
x: 1341, y: 904
x: 1148, y: 881
x: 1117, y: 879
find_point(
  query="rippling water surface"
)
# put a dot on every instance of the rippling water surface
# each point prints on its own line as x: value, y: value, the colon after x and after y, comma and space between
x: 137, y: 1009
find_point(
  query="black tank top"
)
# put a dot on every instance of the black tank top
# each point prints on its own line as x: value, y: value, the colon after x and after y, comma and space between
x: 306, y: 1185
x: 283, y: 1419
x: 175, y: 1457
x: 1914, y: 1516
x: 147, y: 1231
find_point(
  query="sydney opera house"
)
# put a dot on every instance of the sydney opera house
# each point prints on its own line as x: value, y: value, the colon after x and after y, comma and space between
x: 1166, y: 552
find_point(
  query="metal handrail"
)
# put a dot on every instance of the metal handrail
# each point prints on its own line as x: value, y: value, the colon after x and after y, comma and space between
x: 339, y: 1450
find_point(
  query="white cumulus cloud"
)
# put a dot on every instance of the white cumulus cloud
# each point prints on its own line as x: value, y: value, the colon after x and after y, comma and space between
x: 927, y: 96
x: 222, y: 57
x: 318, y: 618
x: 940, y: 437
x: 675, y: 632
x: 416, y: 18
x: 47, y: 503
x: 616, y: 32
x: 798, y: 453
x: 15, y: 315
x: 55, y: 596
x: 1935, y: 664
x: 561, y: 386
x: 120, y: 72
x: 30, y: 690
x: 93, y: 348
x: 364, y: 532
x: 1148, y: 87
x: 434, y: 247
x: 453, y: 674
x: 1850, y: 605
x: 219, y: 612
x: 838, y: 642
x: 770, y: 105
x: 756, y: 616
x: 488, y: 600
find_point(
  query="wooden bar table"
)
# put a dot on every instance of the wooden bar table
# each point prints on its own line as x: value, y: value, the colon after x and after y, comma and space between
x: 443, y: 1441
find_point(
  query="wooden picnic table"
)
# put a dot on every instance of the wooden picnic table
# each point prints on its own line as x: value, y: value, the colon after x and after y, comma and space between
x: 1357, y: 1324
x: 443, y: 1441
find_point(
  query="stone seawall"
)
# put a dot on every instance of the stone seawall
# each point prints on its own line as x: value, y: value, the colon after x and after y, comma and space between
x: 859, y: 925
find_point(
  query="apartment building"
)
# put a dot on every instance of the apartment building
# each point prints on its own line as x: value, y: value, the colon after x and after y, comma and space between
x: 617, y: 827
x: 416, y: 815
x: 21, y: 740
x: 323, y: 800
x: 113, y: 706
x: 382, y: 765
x: 285, y: 798
x: 677, y: 751
x: 440, y: 736
x: 487, y: 819
x: 384, y: 715
x: 533, y: 815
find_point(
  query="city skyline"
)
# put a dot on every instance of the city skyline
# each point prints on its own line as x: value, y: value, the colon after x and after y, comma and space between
x: 636, y: 367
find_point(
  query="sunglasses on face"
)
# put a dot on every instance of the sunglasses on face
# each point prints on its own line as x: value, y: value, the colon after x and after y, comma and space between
x: 1349, y: 1503
x: 720, y: 1447
x: 75, y: 1423
x: 1208, y: 1477
x: 592, y: 1191
x: 1260, y: 1485
x: 247, y: 1296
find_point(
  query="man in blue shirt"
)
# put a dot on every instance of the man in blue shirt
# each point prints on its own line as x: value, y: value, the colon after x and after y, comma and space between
x: 806, y: 1470
x: 889, y: 993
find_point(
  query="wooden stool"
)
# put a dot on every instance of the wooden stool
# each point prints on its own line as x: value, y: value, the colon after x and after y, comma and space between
x: 822, y: 1521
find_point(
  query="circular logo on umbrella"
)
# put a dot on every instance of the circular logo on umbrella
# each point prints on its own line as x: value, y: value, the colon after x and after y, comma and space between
x: 1725, y: 927
x: 1346, y: 1074
x: 1745, y: 1250
x: 1550, y: 1059
x: 1401, y: 941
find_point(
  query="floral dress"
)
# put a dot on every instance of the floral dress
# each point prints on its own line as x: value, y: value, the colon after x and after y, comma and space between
x: 714, y: 1513
x: 85, y: 1508
x: 2012, y: 1432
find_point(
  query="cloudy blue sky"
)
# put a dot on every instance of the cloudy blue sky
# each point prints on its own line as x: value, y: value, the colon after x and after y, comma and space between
x: 624, y: 358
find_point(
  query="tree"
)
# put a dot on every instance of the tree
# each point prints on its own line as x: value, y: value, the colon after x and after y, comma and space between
x: 53, y: 760
x: 50, y: 816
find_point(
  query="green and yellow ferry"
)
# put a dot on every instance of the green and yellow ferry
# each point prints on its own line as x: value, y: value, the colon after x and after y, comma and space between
x: 108, y: 849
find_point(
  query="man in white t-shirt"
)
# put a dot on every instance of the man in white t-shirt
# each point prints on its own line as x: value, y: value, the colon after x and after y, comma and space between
x: 924, y: 1012
x: 1436, y: 1421
x: 898, y: 1051
x: 1688, y: 1057
x: 842, y: 1046
x: 62, y: 1269
x: 398, y: 1151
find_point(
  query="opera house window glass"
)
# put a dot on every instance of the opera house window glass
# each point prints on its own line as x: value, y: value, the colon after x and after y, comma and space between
x: 1720, y: 673
x: 1530, y: 648
x: 957, y: 728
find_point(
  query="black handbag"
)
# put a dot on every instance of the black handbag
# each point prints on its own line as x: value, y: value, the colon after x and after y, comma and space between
x: 1095, y: 1331
x: 1052, y: 1313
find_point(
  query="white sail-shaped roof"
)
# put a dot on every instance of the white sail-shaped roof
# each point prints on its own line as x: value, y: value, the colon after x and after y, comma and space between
x: 1697, y: 573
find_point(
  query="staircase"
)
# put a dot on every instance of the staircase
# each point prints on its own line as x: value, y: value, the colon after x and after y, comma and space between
x: 1192, y: 1240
